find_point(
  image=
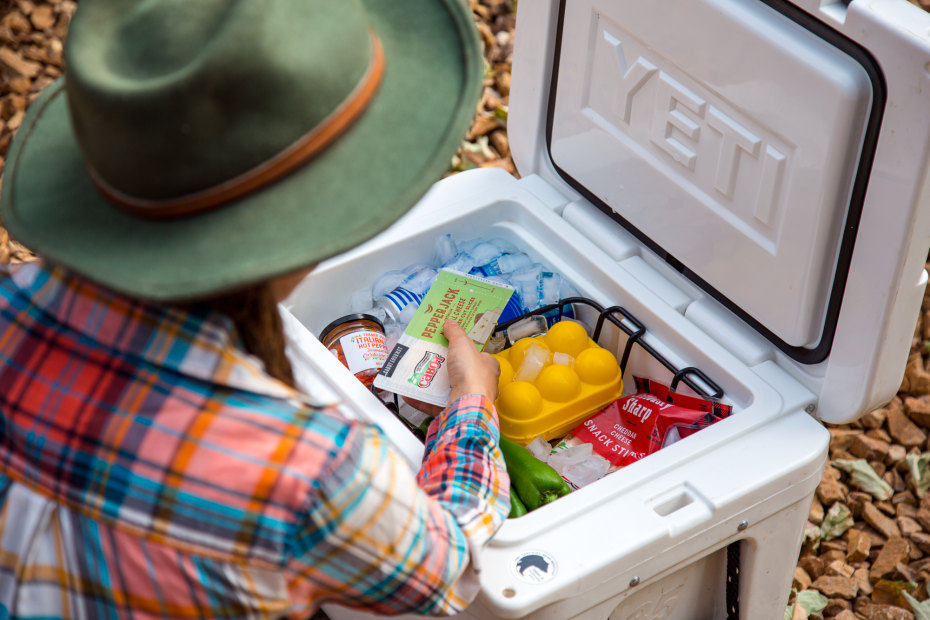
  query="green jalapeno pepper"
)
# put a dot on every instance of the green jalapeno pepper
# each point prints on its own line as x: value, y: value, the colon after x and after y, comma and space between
x: 517, y: 509
x: 536, y: 482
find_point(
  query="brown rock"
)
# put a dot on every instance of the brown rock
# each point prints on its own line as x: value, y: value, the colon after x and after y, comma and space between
x: 885, y: 612
x: 839, y: 440
x: 835, y: 606
x: 831, y: 491
x: 859, y: 546
x: 918, y: 410
x: 837, y: 587
x: 883, y: 524
x: 922, y: 540
x: 42, y: 17
x: 15, y: 61
x: 885, y: 506
x: 923, y: 516
x: 832, y: 555
x: 894, y: 552
x: 916, y: 379
x: 879, y: 433
x: 903, y: 430
x: 889, y: 593
x: 801, y: 580
x: 869, y: 448
x: 873, y: 419
x: 839, y: 568
x: 856, y: 500
x: 844, y: 615
x: 908, y: 526
x: 862, y: 580
x: 815, y: 515
x: 812, y: 565
x: 896, y: 454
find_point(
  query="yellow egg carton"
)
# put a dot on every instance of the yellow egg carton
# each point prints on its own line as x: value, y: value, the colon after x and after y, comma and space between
x: 550, y: 383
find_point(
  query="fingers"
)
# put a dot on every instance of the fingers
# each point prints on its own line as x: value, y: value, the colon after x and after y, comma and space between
x: 453, y: 332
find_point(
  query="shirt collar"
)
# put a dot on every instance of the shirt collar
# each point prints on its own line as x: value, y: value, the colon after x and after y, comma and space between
x: 192, y: 341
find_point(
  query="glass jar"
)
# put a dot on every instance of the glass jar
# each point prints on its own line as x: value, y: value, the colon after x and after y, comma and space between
x: 357, y: 340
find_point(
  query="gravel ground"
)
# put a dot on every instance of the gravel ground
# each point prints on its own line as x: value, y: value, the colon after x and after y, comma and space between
x: 866, y: 552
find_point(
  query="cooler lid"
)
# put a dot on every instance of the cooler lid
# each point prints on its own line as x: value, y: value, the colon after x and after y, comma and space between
x: 733, y: 140
x: 740, y: 140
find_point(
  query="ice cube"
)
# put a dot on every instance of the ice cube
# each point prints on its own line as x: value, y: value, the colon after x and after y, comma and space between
x: 361, y: 301
x: 387, y: 282
x: 548, y: 288
x: 533, y: 363
x: 586, y: 471
x: 561, y: 459
x: 419, y: 281
x: 392, y: 333
x: 508, y: 263
x: 444, y: 250
x: 525, y: 281
x: 503, y: 245
x: 540, y: 448
x: 496, y: 343
x: 484, y: 253
x: 526, y: 328
x: 462, y: 261
x: 563, y: 359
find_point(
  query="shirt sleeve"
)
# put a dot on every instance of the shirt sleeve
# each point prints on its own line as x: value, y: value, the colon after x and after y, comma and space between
x: 378, y: 537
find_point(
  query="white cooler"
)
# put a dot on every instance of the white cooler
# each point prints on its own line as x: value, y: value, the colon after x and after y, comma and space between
x: 750, y: 180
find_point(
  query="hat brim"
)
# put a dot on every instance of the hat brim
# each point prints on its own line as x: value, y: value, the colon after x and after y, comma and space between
x: 345, y: 195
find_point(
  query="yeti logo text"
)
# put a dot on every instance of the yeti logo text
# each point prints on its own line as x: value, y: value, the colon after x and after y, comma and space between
x: 688, y: 126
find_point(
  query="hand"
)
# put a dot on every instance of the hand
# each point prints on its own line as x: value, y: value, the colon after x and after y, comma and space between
x: 470, y: 371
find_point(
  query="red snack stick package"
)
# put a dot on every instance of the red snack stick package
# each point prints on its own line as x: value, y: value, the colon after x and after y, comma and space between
x: 682, y: 419
x: 634, y: 426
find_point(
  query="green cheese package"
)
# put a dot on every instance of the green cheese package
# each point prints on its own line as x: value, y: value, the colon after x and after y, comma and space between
x: 417, y: 367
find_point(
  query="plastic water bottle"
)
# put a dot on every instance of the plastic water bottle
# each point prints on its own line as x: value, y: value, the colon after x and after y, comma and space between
x: 408, y: 293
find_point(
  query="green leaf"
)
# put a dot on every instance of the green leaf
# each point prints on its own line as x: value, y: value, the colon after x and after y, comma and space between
x: 812, y: 601
x: 811, y: 532
x: 479, y: 147
x: 789, y: 611
x: 837, y: 520
x: 918, y: 465
x: 862, y: 476
x: 921, y: 609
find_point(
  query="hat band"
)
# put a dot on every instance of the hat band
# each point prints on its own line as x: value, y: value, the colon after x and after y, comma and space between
x: 268, y: 171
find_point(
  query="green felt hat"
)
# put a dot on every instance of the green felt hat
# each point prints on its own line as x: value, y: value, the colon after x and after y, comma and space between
x: 196, y: 146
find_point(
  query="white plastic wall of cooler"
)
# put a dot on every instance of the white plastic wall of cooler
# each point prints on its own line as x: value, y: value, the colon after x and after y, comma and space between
x: 885, y: 283
x: 675, y: 507
x: 679, y: 130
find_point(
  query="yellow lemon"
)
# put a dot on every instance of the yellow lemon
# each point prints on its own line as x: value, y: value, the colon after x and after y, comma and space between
x: 506, y: 375
x: 567, y: 337
x: 597, y: 366
x: 558, y: 383
x: 519, y: 400
x: 518, y: 350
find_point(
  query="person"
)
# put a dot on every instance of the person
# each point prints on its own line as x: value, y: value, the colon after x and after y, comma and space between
x: 156, y: 458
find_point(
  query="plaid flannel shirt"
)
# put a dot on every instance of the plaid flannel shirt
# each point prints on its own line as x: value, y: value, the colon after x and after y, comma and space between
x: 149, y: 468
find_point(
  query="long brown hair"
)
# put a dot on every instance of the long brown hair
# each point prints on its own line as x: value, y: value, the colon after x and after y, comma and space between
x: 254, y: 312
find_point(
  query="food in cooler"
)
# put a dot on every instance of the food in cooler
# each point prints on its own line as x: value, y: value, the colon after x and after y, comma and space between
x: 358, y: 341
x: 547, y: 398
x: 637, y: 425
x: 535, y: 482
x: 416, y: 366
x: 395, y: 295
